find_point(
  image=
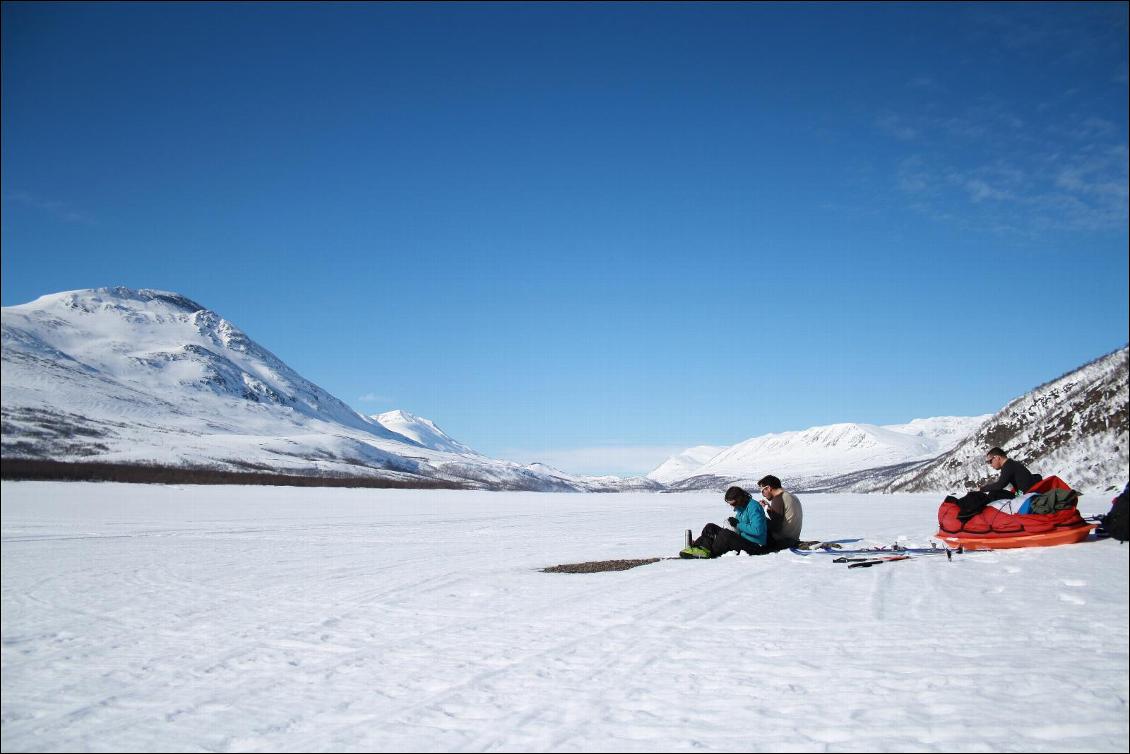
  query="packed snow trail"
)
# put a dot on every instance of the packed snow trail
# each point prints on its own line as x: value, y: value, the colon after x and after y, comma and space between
x: 255, y: 618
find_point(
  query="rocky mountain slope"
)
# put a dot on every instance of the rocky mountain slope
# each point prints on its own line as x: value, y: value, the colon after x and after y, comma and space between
x: 1075, y: 427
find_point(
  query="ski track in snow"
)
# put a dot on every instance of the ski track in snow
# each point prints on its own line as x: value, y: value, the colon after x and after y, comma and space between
x: 251, y: 618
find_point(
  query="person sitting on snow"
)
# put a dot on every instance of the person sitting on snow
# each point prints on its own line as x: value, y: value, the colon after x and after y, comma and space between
x: 1011, y: 473
x: 748, y: 535
x: 785, y: 514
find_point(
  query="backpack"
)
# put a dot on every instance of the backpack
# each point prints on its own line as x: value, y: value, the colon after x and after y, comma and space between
x: 1116, y: 524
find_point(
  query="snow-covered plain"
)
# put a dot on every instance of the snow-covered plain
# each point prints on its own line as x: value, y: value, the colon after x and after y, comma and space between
x: 254, y: 618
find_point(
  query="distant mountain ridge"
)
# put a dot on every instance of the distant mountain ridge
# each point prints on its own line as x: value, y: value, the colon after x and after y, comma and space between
x: 124, y: 376
x: 146, y: 377
x: 818, y: 452
x: 1075, y: 427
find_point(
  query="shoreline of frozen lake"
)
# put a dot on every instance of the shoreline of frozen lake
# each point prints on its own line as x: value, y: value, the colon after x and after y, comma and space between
x: 146, y: 617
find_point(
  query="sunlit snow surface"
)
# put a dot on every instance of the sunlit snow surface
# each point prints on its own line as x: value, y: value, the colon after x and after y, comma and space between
x: 256, y: 618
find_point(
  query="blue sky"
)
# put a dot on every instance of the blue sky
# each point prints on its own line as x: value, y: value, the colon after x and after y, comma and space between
x: 592, y: 234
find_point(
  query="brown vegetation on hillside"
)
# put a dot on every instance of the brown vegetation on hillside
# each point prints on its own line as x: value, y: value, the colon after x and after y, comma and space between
x: 30, y: 469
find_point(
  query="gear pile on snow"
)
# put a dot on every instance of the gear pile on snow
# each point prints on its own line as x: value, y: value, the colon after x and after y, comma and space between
x: 996, y: 528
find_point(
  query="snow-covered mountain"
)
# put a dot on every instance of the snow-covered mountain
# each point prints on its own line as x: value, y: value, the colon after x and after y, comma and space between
x: 1075, y: 427
x: 598, y: 483
x: 421, y: 431
x: 807, y: 455
x: 684, y: 464
x: 149, y: 377
x: 943, y: 432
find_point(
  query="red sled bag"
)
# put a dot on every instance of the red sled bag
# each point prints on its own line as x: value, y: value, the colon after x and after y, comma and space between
x: 995, y: 523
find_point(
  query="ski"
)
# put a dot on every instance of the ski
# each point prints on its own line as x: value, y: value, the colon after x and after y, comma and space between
x: 867, y: 563
x: 865, y: 559
x: 877, y: 551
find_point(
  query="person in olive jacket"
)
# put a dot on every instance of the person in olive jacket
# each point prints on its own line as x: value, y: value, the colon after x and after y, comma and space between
x: 748, y: 535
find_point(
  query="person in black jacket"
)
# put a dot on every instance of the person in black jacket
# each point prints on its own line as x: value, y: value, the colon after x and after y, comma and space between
x: 1011, y: 473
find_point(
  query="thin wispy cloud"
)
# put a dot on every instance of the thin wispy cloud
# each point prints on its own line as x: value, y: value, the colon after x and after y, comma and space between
x: 913, y: 176
x: 1072, y: 193
x: 897, y: 126
x: 59, y: 210
x: 1084, y: 127
x: 988, y: 167
x: 373, y: 398
x: 980, y: 191
x: 923, y: 82
x: 1103, y: 175
x: 989, y: 118
x: 1096, y: 29
x: 1094, y: 127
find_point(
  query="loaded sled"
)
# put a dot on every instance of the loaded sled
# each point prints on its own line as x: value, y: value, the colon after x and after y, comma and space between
x: 997, y: 529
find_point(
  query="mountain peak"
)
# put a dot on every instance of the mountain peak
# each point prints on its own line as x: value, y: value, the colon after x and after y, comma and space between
x: 421, y: 431
x: 399, y: 415
x: 157, y: 356
x: 92, y: 299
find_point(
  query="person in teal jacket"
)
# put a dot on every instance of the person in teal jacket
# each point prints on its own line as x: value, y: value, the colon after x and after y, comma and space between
x: 749, y: 534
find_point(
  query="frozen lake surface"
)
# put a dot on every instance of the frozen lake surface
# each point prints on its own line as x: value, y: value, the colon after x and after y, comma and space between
x: 141, y: 617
